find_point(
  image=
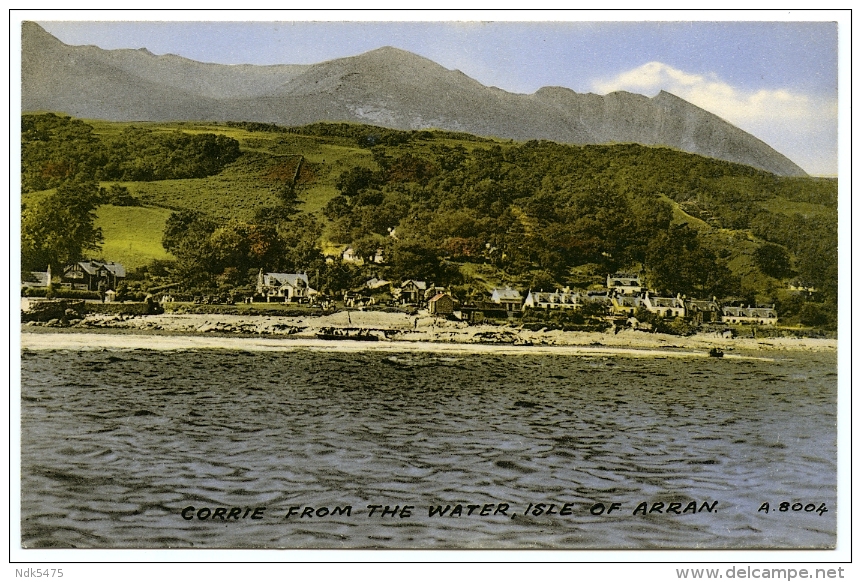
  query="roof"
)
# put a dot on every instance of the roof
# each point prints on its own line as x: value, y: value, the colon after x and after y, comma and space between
x: 635, y: 276
x: 701, y: 305
x: 37, y: 279
x: 93, y: 267
x: 507, y: 293
x: 115, y: 268
x: 439, y: 296
x: 628, y: 300
x: 280, y: 279
x: 596, y: 297
x: 761, y: 312
x: 419, y: 284
x: 666, y: 301
x: 555, y: 296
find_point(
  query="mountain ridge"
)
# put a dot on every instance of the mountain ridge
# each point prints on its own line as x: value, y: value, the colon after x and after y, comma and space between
x: 386, y: 86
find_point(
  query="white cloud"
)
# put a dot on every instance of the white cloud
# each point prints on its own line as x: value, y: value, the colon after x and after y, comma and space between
x: 790, y: 122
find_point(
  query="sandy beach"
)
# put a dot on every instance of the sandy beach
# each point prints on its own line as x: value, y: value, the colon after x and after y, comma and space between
x: 396, y: 331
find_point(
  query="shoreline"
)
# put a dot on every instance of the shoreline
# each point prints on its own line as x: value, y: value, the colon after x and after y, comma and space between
x: 108, y: 341
x: 396, y: 332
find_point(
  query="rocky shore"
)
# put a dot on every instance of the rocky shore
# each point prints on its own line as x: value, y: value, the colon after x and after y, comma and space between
x: 400, y: 327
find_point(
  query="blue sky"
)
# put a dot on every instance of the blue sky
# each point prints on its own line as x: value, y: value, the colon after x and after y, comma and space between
x: 776, y: 80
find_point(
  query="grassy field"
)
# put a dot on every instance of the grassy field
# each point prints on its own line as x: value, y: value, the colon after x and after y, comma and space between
x: 250, y: 183
x: 132, y: 234
x: 806, y: 209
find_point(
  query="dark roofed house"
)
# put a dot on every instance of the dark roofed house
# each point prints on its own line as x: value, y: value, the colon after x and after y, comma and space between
x: 93, y: 275
x: 703, y: 311
x: 597, y: 297
x: 412, y: 291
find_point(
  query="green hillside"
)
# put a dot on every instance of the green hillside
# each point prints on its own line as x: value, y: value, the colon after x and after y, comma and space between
x: 132, y: 234
x: 466, y: 211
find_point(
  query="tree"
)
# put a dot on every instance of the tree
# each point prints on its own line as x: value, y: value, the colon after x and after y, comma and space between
x: 300, y: 245
x: 288, y: 197
x: 117, y: 195
x: 366, y: 247
x: 187, y: 237
x: 773, y: 260
x: 183, y: 228
x: 337, y: 207
x: 352, y: 181
x: 678, y: 263
x: 272, y: 215
x: 205, y: 249
x: 414, y: 260
x: 542, y: 281
x: 59, y: 229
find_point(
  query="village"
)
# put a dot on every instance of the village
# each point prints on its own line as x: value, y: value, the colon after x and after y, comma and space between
x: 624, y: 301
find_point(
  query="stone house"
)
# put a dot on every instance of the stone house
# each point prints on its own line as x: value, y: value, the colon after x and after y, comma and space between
x: 441, y: 304
x: 703, y: 311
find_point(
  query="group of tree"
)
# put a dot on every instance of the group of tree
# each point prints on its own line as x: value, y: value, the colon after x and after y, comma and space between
x: 58, y: 228
x: 233, y: 251
x: 56, y: 148
x: 532, y: 208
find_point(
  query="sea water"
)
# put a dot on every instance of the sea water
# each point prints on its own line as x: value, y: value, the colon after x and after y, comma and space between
x: 305, y: 448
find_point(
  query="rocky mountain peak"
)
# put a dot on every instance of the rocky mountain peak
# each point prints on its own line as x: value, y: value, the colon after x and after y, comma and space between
x: 386, y: 86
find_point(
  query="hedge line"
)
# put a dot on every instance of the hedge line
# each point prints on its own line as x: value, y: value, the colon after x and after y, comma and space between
x: 58, y: 293
x: 124, y: 308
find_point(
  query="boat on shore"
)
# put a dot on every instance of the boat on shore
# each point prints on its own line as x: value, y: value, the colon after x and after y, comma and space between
x: 347, y: 333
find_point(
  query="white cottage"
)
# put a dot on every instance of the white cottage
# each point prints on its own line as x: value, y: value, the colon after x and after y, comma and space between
x: 750, y: 315
x: 565, y: 299
x: 286, y: 286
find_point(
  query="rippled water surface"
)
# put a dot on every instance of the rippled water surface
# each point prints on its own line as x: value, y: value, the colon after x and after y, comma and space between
x: 115, y: 444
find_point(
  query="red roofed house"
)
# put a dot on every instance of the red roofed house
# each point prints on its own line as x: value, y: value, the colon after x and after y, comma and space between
x: 441, y: 304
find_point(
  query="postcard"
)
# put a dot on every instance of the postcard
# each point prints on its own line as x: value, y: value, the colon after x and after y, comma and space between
x: 428, y: 285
